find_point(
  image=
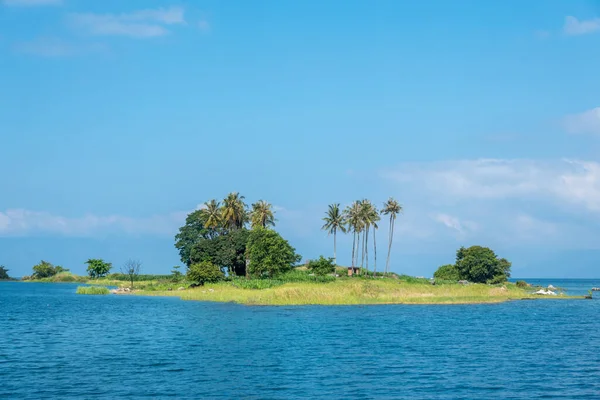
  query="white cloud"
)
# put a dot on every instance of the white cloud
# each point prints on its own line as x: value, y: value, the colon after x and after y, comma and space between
x: 137, y: 24
x: 565, y: 181
x: 27, y: 3
x: 21, y: 222
x: 585, y: 122
x: 574, y: 26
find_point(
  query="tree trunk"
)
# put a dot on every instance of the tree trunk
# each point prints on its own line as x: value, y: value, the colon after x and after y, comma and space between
x: 387, y: 262
x: 367, y: 250
x: 391, y: 238
x: 353, y: 247
x: 374, y: 254
x: 334, y: 248
x: 362, y: 254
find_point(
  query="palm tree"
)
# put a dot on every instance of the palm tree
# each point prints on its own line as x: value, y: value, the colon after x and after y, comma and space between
x: 365, y: 217
x: 212, y: 214
x: 352, y: 218
x: 234, y: 211
x: 334, y: 221
x: 391, y: 208
x: 374, y: 218
x: 262, y: 215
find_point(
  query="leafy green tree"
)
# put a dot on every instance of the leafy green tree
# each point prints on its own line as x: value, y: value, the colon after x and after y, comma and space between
x: 45, y: 270
x: 480, y: 264
x: 447, y: 272
x: 269, y: 254
x: 234, y: 211
x: 322, y: 266
x: 392, y: 208
x: 97, y: 268
x: 4, y: 273
x: 226, y: 251
x: 262, y: 215
x: 204, y: 272
x: 191, y: 233
x: 334, y: 221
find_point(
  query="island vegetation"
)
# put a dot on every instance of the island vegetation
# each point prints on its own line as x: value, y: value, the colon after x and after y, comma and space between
x: 231, y: 252
x: 4, y: 274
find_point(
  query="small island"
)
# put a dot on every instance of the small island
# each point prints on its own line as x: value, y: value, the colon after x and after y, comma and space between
x: 228, y: 261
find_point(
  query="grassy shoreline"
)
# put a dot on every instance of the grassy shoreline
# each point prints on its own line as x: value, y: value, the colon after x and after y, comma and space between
x: 356, y: 292
x: 335, y: 291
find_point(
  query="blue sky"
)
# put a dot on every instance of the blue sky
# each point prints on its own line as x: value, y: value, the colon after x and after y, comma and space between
x: 481, y: 118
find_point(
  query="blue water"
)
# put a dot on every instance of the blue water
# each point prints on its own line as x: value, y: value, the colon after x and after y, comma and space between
x: 55, y: 344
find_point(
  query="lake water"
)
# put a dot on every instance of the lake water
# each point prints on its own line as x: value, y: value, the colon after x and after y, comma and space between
x: 55, y: 344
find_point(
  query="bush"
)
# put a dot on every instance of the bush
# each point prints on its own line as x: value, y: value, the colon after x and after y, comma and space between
x: 481, y: 265
x: 97, y: 268
x: 522, y: 284
x: 447, y: 272
x: 269, y: 254
x: 322, y: 266
x: 92, y: 290
x: 45, y: 270
x: 204, y: 272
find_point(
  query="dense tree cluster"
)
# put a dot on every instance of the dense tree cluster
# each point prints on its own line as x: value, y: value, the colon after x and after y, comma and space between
x: 476, y: 264
x: 234, y: 238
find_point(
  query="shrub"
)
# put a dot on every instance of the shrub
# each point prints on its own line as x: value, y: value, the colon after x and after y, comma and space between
x: 204, y: 272
x: 45, y: 270
x: 269, y: 254
x: 92, y: 290
x: 4, y: 273
x: 521, y: 284
x: 97, y: 268
x: 322, y: 266
x: 481, y: 265
x: 447, y: 272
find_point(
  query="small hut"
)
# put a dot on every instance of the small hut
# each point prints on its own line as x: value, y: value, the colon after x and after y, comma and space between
x: 352, y: 270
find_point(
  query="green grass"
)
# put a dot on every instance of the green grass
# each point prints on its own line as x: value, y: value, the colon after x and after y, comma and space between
x: 92, y: 290
x: 353, y: 291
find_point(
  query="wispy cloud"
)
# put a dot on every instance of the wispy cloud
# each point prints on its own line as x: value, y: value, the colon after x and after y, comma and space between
x: 137, y: 24
x: 54, y: 47
x: 21, y: 222
x: 29, y: 3
x: 586, y: 122
x: 564, y: 181
x: 574, y: 26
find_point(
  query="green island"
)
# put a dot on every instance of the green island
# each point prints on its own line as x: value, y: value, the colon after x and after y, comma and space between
x: 232, y: 253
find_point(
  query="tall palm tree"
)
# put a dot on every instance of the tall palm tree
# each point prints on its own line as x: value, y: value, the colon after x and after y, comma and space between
x: 212, y: 215
x: 374, y: 218
x: 234, y: 211
x: 365, y: 217
x: 353, y: 224
x: 392, y: 208
x: 334, y: 221
x: 262, y: 215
